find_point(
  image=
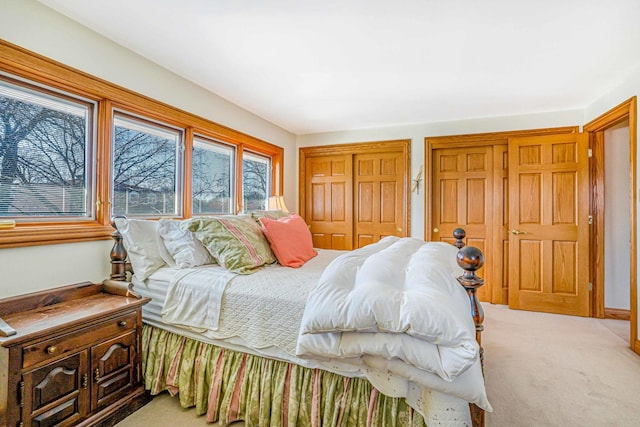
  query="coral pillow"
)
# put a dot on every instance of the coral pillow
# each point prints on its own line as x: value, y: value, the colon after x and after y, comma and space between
x: 290, y: 240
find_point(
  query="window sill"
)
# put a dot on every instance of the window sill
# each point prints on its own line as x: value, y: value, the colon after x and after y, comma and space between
x: 33, y: 235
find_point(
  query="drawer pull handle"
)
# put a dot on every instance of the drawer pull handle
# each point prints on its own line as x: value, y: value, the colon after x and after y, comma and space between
x: 85, y: 381
x: 52, y: 349
x: 122, y: 323
x: 96, y: 375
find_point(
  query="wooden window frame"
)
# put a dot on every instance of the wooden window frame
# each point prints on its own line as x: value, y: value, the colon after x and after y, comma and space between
x: 241, y: 181
x: 179, y: 173
x: 90, y: 147
x: 24, y: 64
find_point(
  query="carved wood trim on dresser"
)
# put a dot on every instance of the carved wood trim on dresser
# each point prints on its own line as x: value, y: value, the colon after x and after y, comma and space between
x: 75, y: 356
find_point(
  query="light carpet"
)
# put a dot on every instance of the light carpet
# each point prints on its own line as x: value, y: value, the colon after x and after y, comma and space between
x: 553, y: 370
x: 541, y: 370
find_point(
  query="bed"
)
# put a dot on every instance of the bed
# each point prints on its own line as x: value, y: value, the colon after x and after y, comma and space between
x: 266, y: 346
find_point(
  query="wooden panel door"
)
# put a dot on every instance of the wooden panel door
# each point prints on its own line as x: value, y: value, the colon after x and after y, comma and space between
x: 548, y: 218
x: 381, y: 196
x: 329, y: 200
x: 462, y: 197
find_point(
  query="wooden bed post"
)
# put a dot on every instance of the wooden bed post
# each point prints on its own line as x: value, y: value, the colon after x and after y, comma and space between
x: 118, y: 254
x: 459, y: 234
x: 471, y: 259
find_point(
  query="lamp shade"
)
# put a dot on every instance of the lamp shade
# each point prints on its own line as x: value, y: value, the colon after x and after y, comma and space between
x: 277, y: 203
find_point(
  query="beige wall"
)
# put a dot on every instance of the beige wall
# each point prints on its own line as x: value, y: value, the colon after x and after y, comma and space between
x: 40, y: 267
x: 616, y: 218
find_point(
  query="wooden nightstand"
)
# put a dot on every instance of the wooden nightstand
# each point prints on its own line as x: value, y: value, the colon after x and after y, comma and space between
x: 74, y: 358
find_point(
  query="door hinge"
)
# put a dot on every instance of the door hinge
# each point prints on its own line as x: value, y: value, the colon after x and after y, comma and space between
x: 590, y: 219
x: 590, y: 152
x: 590, y: 286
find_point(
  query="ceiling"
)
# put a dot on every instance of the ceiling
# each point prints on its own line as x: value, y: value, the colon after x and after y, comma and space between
x: 317, y: 66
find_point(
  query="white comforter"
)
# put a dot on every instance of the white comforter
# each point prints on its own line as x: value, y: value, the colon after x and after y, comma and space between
x: 396, y: 306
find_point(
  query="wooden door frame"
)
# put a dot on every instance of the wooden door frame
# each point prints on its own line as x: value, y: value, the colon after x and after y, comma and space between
x: 627, y: 110
x: 476, y: 140
x: 403, y: 145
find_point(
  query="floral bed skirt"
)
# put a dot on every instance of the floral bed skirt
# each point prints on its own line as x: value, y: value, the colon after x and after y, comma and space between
x: 229, y: 386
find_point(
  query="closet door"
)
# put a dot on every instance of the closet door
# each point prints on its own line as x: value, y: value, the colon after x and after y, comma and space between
x: 380, y: 197
x: 329, y: 200
x: 463, y: 197
x: 352, y: 195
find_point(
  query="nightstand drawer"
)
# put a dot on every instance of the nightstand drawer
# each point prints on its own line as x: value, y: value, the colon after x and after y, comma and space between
x: 55, y: 347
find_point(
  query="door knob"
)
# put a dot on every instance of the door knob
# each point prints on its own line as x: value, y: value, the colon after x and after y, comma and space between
x: 516, y: 232
x: 436, y: 230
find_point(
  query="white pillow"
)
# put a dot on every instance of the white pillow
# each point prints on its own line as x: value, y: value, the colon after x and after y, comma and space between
x: 186, y: 250
x: 142, y: 242
x: 165, y: 254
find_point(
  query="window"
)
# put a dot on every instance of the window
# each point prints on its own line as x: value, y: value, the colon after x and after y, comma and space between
x: 212, y: 177
x: 57, y: 127
x: 256, y: 182
x: 146, y: 174
x: 45, y: 154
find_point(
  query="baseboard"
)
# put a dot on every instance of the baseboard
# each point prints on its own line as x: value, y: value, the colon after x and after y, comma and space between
x: 617, y: 313
x: 636, y: 347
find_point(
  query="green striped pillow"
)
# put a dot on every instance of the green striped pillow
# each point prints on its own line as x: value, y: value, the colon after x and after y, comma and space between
x: 235, y: 241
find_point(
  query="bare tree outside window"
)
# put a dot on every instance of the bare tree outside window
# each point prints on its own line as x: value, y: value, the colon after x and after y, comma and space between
x: 256, y: 173
x: 145, y: 159
x: 43, y: 155
x: 212, y: 169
